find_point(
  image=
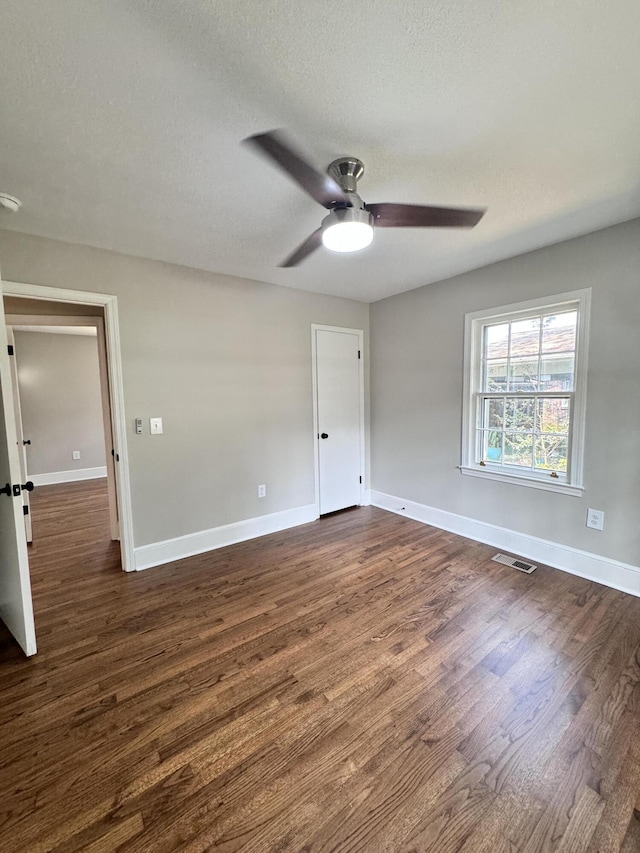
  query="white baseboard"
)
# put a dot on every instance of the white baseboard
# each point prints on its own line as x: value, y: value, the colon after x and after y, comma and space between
x: 366, y: 497
x: 593, y: 567
x: 169, y: 550
x: 68, y: 476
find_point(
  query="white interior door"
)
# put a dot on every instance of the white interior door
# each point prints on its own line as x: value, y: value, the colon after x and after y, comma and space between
x: 22, y: 450
x: 339, y: 417
x: 16, y: 607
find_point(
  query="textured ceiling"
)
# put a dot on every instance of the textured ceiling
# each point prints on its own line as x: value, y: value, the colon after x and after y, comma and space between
x: 121, y: 121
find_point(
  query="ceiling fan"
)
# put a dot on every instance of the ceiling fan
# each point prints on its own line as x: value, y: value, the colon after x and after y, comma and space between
x: 349, y: 225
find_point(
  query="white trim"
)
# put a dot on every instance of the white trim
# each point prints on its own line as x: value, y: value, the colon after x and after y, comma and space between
x: 51, y: 323
x: 68, y: 476
x: 158, y: 553
x: 548, y: 485
x: 593, y: 567
x: 74, y: 331
x: 471, y: 381
x: 314, y: 387
x: 530, y: 306
x: 109, y: 305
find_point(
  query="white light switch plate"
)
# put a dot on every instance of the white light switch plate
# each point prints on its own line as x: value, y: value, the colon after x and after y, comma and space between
x: 155, y: 426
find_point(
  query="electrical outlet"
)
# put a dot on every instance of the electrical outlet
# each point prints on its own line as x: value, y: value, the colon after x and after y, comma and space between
x: 595, y: 518
x: 262, y: 491
x: 76, y: 454
x: 155, y: 426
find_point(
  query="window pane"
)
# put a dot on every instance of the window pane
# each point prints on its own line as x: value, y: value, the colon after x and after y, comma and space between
x: 519, y: 415
x: 518, y: 449
x: 551, y: 452
x: 496, y: 341
x: 525, y: 337
x: 523, y: 374
x: 493, y: 413
x: 553, y: 415
x: 559, y: 332
x: 492, y: 446
x: 556, y: 373
x: 495, y: 378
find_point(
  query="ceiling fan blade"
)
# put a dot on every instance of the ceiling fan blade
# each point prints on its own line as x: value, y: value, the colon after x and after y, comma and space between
x: 313, y: 242
x: 320, y: 186
x: 423, y: 216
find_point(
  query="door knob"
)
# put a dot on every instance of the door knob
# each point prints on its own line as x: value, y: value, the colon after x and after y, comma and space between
x: 324, y: 435
x: 16, y: 489
x: 25, y: 487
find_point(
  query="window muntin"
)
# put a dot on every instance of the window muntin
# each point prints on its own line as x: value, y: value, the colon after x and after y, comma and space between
x: 525, y: 399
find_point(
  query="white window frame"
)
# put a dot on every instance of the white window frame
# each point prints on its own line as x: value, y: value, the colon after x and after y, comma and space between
x: 570, y: 483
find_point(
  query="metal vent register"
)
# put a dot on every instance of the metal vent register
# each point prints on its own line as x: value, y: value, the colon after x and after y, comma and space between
x: 520, y: 565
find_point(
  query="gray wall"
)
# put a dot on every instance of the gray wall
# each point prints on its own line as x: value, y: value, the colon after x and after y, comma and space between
x: 225, y: 361
x: 416, y: 393
x: 60, y: 399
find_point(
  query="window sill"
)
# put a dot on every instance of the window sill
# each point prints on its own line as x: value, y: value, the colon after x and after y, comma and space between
x: 532, y: 482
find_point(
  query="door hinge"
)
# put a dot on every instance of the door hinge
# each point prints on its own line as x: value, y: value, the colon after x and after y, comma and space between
x: 360, y: 479
x: 25, y: 510
x: 358, y: 353
x: 10, y: 349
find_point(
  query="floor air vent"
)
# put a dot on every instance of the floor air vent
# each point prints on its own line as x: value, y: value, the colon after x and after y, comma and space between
x: 520, y: 565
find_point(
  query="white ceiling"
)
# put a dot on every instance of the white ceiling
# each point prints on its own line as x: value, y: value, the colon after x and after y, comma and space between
x: 121, y: 122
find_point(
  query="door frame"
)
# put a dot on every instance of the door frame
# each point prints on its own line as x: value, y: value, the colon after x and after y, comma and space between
x: 109, y: 304
x: 316, y: 327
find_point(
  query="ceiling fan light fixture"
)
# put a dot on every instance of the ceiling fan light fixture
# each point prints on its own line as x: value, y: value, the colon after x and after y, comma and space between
x: 347, y: 230
x: 349, y: 225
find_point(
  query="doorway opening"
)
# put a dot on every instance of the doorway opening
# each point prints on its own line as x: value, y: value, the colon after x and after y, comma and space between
x: 61, y: 404
x: 63, y: 427
x: 37, y: 306
x: 42, y: 306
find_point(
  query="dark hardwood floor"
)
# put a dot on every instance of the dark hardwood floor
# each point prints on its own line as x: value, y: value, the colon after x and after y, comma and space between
x: 363, y: 683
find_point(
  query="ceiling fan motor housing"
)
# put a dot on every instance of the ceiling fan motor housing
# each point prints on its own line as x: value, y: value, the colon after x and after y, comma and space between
x: 347, y: 171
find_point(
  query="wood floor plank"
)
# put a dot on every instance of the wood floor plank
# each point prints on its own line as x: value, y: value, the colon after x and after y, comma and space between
x: 582, y: 823
x: 451, y: 820
x: 362, y: 683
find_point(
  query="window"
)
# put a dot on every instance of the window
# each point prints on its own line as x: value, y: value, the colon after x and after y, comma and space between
x: 524, y: 402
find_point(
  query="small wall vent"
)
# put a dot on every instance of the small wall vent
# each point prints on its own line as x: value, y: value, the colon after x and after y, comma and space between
x: 520, y: 565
